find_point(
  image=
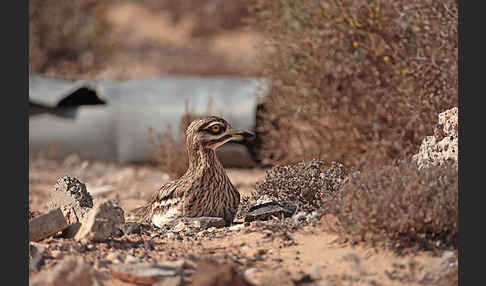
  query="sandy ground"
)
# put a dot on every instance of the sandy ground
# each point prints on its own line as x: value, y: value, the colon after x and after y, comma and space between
x: 264, y: 256
x: 310, y: 255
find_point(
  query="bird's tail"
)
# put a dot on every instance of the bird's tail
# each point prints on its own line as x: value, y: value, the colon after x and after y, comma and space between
x: 142, y: 212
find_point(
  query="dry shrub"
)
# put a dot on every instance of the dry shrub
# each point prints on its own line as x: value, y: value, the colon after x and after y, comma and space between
x: 76, y: 38
x: 68, y: 37
x: 170, y: 153
x: 210, y: 16
x: 358, y: 82
x: 400, y: 207
x: 306, y: 184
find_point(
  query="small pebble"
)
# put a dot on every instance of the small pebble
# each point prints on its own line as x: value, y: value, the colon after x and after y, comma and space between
x: 249, y: 275
x: 56, y: 254
x: 113, y: 257
x: 131, y: 259
x: 236, y: 227
x: 170, y: 235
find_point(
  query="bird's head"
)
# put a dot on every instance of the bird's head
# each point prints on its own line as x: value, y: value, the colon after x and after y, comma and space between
x: 212, y: 132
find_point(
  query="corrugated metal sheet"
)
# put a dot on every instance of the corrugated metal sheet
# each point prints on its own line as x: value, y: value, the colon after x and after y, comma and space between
x: 118, y: 129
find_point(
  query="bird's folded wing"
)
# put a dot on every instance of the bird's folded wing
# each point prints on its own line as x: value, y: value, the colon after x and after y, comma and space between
x: 166, y: 197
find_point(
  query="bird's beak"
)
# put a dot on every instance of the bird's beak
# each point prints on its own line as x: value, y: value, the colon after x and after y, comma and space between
x: 240, y: 135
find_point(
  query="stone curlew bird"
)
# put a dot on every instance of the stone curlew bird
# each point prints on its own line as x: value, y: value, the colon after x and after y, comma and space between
x: 204, y: 189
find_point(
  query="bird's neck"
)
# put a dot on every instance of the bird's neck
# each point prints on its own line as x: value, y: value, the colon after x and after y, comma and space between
x: 201, y: 160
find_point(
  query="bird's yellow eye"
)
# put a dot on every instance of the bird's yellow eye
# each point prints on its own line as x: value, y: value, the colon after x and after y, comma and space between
x: 215, y: 128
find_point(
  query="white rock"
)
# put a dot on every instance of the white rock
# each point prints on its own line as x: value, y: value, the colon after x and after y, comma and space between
x: 131, y: 259
x: 443, y: 146
x: 237, y: 227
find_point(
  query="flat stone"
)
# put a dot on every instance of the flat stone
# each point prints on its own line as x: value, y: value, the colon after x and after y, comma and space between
x: 131, y: 259
x: 207, y: 222
x: 71, y: 230
x: 131, y: 228
x: 236, y: 227
x: 101, y: 222
x: 145, y: 273
x: 48, y: 224
x: 68, y: 272
x: 270, y: 209
x: 197, y: 223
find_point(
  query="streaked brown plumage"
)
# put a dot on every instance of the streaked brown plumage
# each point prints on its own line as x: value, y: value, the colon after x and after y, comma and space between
x: 205, y: 189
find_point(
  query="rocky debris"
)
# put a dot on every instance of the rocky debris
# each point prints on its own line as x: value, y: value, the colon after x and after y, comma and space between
x: 148, y: 274
x: 75, y: 201
x: 207, y: 222
x: 196, y: 224
x: 131, y: 259
x: 101, y: 222
x: 265, y: 199
x: 71, y: 195
x: 56, y: 254
x: 67, y: 272
x: 101, y: 190
x: 68, y: 204
x: 236, y: 227
x: 131, y: 228
x: 304, y: 279
x: 115, y: 257
x: 253, y: 252
x: 443, y: 145
x: 270, y: 209
x: 303, y: 217
x: 201, y: 223
x: 210, y: 273
x: 33, y: 213
x: 36, y: 255
x: 48, y: 224
x: 413, y: 271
